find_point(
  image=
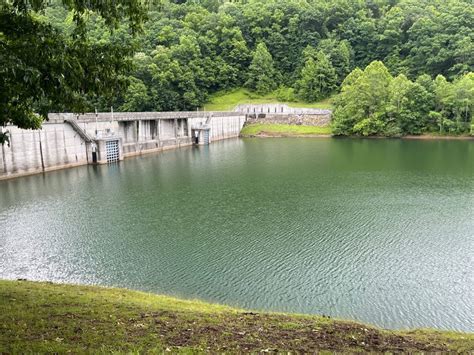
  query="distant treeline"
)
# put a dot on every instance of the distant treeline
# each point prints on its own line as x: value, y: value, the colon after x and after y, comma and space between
x: 304, y: 49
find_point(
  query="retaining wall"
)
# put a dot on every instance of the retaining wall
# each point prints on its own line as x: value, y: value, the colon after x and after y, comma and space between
x: 292, y: 119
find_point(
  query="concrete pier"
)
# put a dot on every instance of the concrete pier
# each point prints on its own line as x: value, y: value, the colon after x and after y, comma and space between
x: 68, y: 140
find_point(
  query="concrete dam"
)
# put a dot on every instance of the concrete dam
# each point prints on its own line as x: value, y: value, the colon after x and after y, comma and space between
x: 68, y: 140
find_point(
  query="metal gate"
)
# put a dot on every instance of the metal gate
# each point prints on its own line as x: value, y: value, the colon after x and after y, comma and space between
x: 204, y: 137
x: 112, y: 149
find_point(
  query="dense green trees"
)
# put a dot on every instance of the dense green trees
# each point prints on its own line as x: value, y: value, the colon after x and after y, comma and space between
x: 194, y: 48
x: 190, y: 49
x: 45, y: 68
x: 339, y: 55
x: 318, y: 77
x: 262, y: 76
x: 372, y: 102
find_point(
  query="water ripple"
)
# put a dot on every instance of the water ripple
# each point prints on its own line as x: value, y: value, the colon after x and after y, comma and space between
x: 356, y: 229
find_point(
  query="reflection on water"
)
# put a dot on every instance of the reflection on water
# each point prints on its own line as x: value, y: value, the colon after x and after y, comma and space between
x: 380, y: 231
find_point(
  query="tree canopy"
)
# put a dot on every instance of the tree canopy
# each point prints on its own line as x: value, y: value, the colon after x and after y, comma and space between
x: 318, y: 77
x: 262, y: 76
x: 44, y: 68
x: 372, y: 102
x: 62, y: 55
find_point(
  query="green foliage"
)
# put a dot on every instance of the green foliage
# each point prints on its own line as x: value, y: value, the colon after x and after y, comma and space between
x: 111, y: 12
x: 61, y: 55
x: 346, y: 108
x: 285, y: 94
x: 340, y: 54
x: 262, y: 76
x: 369, y: 126
x: 410, y: 105
x: 372, y: 102
x: 307, y: 86
x: 455, y: 102
x: 362, y: 106
x: 440, y: 40
x: 463, y: 98
x: 136, y: 97
x: 317, y: 79
x: 44, y: 69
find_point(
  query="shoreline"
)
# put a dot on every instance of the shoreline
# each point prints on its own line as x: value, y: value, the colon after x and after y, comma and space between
x: 408, y: 137
x: 434, y: 137
x: 45, y: 316
x: 289, y: 135
x: 281, y: 130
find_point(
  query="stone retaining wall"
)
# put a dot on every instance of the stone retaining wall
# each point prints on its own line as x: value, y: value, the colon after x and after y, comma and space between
x: 305, y: 120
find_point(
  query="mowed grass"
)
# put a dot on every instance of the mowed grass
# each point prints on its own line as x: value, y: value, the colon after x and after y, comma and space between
x: 286, y: 130
x: 45, y: 317
x: 228, y: 100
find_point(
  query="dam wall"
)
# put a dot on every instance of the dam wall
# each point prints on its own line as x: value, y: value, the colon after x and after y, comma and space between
x: 55, y: 146
x: 68, y: 140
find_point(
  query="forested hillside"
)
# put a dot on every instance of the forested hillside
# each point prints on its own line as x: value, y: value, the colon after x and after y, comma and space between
x: 301, y: 49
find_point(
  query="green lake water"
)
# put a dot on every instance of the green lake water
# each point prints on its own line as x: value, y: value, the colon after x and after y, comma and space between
x: 380, y: 231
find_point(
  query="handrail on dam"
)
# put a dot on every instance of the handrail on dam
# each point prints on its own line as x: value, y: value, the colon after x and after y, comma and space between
x: 209, y: 118
x: 84, y: 135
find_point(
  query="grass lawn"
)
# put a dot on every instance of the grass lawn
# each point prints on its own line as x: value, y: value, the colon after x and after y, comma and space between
x: 227, y: 100
x: 45, y: 317
x: 269, y: 129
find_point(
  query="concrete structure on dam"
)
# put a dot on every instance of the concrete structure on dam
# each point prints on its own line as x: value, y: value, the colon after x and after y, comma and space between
x: 68, y: 140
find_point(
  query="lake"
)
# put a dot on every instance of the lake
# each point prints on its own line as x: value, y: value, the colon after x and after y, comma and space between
x: 375, y: 230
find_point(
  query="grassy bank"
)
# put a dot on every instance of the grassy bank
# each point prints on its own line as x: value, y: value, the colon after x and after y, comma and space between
x: 227, y: 100
x: 283, y: 130
x: 45, y: 317
x: 287, y: 130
